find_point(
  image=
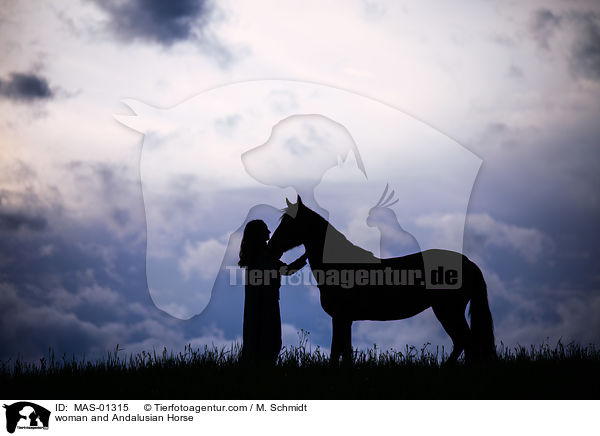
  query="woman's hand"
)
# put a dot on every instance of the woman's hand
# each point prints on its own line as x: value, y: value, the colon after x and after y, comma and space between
x: 293, y: 267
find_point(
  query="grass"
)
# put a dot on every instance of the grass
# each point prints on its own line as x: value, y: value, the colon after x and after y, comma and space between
x: 542, y: 372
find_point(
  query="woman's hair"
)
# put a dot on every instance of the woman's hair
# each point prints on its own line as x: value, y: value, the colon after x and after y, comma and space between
x: 253, y: 241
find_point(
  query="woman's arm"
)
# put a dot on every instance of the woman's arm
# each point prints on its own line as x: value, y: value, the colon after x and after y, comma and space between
x: 293, y: 267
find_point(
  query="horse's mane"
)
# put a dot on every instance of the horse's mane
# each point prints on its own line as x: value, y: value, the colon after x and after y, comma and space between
x: 343, y: 249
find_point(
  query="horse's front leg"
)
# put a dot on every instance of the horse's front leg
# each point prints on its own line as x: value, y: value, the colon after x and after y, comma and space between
x: 341, y: 340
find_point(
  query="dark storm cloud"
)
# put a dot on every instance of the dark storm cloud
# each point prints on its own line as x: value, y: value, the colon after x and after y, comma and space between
x: 585, y: 53
x: 158, y: 21
x: 114, y: 188
x: 552, y: 188
x: 584, y: 56
x: 544, y: 24
x: 21, y: 210
x: 18, y: 220
x: 80, y: 285
x: 26, y: 87
x: 77, y: 286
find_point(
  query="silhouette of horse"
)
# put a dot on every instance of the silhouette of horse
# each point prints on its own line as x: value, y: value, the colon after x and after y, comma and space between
x: 355, y: 285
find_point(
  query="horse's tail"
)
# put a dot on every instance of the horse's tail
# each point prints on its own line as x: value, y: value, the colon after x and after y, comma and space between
x: 482, y: 325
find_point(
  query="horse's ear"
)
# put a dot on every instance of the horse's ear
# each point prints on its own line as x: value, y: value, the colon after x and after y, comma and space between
x: 299, y: 201
x: 287, y: 202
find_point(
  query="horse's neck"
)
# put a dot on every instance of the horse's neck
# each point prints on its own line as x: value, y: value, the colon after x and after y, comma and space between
x: 315, y: 256
x: 316, y: 242
x: 324, y: 241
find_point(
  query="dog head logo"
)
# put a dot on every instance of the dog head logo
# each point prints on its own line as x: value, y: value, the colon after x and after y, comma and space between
x: 26, y: 415
x: 208, y: 162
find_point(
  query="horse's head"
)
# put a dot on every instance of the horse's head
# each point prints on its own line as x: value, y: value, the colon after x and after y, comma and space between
x: 288, y: 233
x: 381, y: 212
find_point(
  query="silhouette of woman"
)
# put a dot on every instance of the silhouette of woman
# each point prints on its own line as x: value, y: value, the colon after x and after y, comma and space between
x: 262, y: 320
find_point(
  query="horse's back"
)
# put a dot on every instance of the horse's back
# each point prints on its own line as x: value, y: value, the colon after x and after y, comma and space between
x: 438, y: 268
x: 426, y: 255
x: 400, y: 287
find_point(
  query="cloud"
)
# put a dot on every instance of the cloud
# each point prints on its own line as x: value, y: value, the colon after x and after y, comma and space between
x: 533, y: 314
x: 585, y: 52
x: 530, y: 243
x: 80, y: 286
x: 107, y: 193
x: 292, y: 336
x: 21, y: 207
x: 514, y: 71
x: 543, y: 25
x: 157, y: 21
x: 484, y: 231
x: 16, y: 220
x: 32, y: 322
x: 212, y: 336
x: 546, y: 180
x: 25, y: 87
x: 202, y: 258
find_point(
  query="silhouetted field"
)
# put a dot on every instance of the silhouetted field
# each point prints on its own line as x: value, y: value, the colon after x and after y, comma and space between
x: 541, y: 372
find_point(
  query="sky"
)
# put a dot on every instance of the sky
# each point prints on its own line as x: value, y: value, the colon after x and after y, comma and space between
x: 502, y: 97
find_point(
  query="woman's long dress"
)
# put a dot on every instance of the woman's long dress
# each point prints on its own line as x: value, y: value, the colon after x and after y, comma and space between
x: 262, y: 319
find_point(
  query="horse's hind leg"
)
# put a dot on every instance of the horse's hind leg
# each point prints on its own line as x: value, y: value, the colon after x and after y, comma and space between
x: 452, y: 318
x: 341, y: 340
